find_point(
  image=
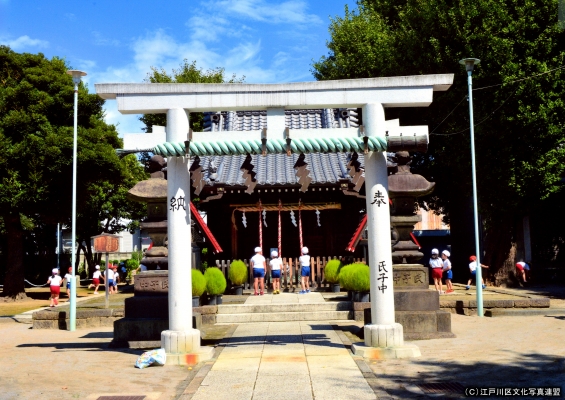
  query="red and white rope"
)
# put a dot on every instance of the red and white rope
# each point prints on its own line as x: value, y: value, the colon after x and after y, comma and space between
x: 260, y: 226
x: 300, y: 224
x: 280, y: 230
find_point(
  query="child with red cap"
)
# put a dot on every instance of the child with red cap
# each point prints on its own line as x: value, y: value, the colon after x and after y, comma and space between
x: 473, y: 270
x: 521, y: 268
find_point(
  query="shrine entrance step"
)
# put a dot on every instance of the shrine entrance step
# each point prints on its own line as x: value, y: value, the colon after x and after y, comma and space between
x: 284, y: 307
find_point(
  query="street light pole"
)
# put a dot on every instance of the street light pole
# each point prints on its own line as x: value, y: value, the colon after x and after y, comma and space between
x: 77, y: 75
x: 469, y: 64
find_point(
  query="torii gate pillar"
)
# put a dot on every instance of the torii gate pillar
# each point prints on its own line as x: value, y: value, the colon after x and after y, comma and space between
x: 181, y: 341
x: 384, y: 338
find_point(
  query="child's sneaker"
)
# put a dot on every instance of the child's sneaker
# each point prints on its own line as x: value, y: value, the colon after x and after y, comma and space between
x: 302, y: 292
x: 450, y: 291
x: 467, y: 287
x: 256, y: 294
x: 261, y: 293
x: 484, y: 286
x: 308, y: 291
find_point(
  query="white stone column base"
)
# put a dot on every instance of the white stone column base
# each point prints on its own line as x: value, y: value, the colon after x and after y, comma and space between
x: 385, y: 341
x: 183, y: 347
x: 407, y: 350
x: 384, y: 335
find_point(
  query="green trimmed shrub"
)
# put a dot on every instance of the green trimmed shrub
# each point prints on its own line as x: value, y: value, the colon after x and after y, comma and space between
x: 361, y: 281
x: 346, y: 277
x: 331, y: 271
x: 215, y: 281
x: 237, y: 273
x: 131, y: 264
x: 198, y: 283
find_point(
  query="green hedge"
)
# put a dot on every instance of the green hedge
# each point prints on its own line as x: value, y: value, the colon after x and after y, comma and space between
x: 215, y: 281
x: 237, y: 273
x: 198, y: 283
x: 331, y: 271
x: 355, y: 277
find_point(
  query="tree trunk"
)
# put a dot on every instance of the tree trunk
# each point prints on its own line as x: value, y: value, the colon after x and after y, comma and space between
x: 501, y: 247
x: 14, y: 287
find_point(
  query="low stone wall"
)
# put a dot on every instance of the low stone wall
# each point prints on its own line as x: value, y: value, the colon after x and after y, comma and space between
x: 53, y: 319
x: 469, y: 307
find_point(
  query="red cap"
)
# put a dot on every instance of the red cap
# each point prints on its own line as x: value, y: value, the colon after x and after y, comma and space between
x: 472, y: 258
x: 70, y: 268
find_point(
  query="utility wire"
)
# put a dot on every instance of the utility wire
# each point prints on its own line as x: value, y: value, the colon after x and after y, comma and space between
x: 488, y: 87
x: 520, y: 80
x: 480, y: 122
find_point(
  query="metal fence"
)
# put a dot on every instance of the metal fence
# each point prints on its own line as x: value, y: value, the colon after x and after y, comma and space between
x: 290, y: 273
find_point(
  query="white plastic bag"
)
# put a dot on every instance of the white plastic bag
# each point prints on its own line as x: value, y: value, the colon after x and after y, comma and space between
x: 152, y: 357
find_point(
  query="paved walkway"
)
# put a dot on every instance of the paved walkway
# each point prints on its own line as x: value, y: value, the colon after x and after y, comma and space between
x: 284, y: 360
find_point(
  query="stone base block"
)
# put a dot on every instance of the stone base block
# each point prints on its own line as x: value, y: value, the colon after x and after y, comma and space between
x: 180, y: 342
x: 384, y: 335
x: 183, y: 347
x: 407, y: 350
x: 203, y: 354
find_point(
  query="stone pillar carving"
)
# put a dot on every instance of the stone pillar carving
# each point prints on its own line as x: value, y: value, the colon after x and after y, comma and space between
x: 180, y: 341
x: 384, y: 337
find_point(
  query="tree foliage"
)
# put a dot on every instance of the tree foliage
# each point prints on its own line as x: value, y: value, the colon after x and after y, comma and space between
x: 36, y: 147
x: 518, y: 115
x: 186, y: 73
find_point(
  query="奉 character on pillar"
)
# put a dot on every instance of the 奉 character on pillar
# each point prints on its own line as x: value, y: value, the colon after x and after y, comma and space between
x: 55, y: 282
x: 305, y: 271
x: 436, y: 264
x: 259, y: 264
x: 473, y: 271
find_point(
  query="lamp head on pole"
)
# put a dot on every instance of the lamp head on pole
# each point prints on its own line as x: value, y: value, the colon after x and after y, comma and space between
x: 470, y: 63
x: 76, y: 74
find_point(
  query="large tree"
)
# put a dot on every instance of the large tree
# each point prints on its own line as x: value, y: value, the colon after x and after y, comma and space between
x: 186, y: 73
x: 36, y: 141
x: 518, y: 115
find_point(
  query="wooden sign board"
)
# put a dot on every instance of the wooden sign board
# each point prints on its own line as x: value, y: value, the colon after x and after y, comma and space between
x: 106, y: 243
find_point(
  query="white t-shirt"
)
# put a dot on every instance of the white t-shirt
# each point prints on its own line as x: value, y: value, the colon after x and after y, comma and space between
x: 258, y: 261
x: 524, y: 265
x: 109, y: 274
x: 96, y: 274
x: 275, y: 264
x: 436, y: 263
x: 473, y: 266
x: 68, y: 277
x: 55, y: 280
x: 446, y: 265
x: 304, y: 260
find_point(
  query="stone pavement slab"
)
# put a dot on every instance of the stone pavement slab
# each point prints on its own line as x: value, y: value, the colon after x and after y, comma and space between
x: 298, y: 360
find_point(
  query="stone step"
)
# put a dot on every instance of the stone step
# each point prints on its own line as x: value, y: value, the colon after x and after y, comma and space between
x: 524, y: 312
x: 284, y: 308
x: 283, y: 317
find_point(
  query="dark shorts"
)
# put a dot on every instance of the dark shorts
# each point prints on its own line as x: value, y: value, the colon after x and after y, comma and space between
x: 449, y: 274
x: 473, y: 273
x: 258, y: 273
x: 69, y: 285
x: 95, y: 281
x: 436, y: 273
x: 110, y: 282
x: 305, y: 271
x: 276, y: 274
x: 55, y: 289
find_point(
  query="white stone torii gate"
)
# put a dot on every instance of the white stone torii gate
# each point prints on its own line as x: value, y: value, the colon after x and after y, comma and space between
x: 384, y: 337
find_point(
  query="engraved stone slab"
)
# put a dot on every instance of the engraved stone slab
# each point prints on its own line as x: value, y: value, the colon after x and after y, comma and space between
x: 410, y: 276
x: 152, y: 283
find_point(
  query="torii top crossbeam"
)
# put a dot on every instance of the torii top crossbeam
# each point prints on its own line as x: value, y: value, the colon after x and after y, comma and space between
x: 398, y: 91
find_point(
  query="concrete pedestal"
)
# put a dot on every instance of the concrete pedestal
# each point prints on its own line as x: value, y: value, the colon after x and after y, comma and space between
x: 183, y: 347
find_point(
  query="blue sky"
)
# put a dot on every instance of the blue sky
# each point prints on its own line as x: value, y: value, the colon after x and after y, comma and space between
x: 118, y: 41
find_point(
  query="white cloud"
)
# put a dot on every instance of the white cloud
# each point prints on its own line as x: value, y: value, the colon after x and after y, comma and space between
x: 293, y: 11
x: 100, y: 40
x: 70, y: 16
x: 24, y: 42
